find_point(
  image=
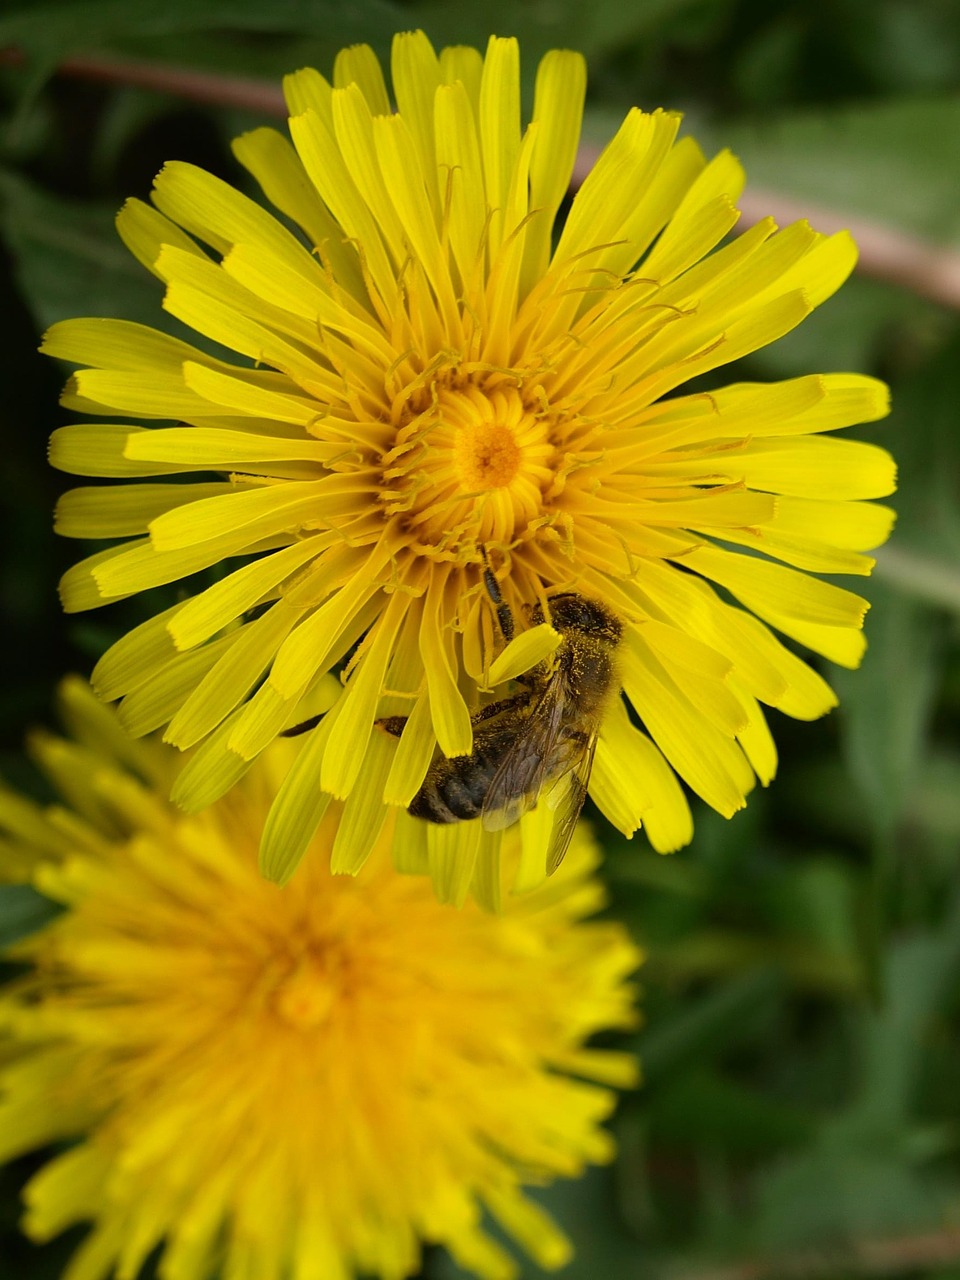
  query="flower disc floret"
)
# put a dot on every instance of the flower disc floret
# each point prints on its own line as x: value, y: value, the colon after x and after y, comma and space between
x: 433, y: 371
x: 472, y: 469
x: 309, y: 1082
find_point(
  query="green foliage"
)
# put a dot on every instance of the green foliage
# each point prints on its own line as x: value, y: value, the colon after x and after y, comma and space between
x: 892, y: 161
x: 22, y: 912
x: 69, y: 250
x: 800, y: 1113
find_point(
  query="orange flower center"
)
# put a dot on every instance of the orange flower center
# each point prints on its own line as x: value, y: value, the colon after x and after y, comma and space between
x: 471, y: 468
x: 487, y: 455
x: 305, y: 997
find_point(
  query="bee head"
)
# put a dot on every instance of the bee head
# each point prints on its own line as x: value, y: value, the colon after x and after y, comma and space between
x: 572, y: 612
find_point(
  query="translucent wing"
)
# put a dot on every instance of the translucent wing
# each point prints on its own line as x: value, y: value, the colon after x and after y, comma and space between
x: 516, y: 784
x: 566, y: 798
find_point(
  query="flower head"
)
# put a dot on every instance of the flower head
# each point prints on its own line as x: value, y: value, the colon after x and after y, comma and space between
x: 308, y: 1081
x: 433, y: 374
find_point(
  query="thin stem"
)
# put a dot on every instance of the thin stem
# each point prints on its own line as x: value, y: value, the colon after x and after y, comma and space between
x: 207, y: 87
x: 927, y: 578
x: 891, y: 1257
x: 886, y: 253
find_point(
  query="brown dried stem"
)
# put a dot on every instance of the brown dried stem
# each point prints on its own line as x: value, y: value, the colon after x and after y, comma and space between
x: 207, y: 87
x: 886, y: 253
x: 891, y: 1257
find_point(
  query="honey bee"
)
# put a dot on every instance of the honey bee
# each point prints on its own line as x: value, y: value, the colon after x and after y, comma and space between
x: 540, y: 740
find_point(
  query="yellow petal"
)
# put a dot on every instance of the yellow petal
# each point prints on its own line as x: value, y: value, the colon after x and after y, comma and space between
x: 348, y: 739
x: 298, y: 809
x: 215, y: 448
x: 536, y: 827
x: 451, y: 719
x: 764, y: 586
x: 557, y: 112
x: 152, y: 704
x: 232, y: 678
x: 144, y: 230
x: 613, y: 191
x: 523, y: 653
x: 99, y: 449
x: 756, y: 738
x: 857, y: 526
x: 205, y: 614
x: 415, y: 70
x: 711, y: 763
x: 531, y: 1226
x: 359, y: 65
x: 461, y: 178
x: 413, y: 755
x: 704, y: 215
x: 308, y: 90
x: 499, y: 127
x: 452, y: 851
x: 400, y: 166
x: 464, y: 63
x: 98, y: 511
x: 819, y: 402
x: 137, y: 565
x: 486, y: 884
x: 135, y: 656
x: 615, y: 782
x: 217, y: 213
x: 325, y: 164
x: 276, y: 166
x: 410, y: 845
x: 260, y: 720
x: 312, y: 646
x: 256, y: 512
x: 364, y: 812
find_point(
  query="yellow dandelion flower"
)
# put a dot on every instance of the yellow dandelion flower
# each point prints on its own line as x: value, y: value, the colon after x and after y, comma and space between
x: 305, y: 1082
x: 435, y: 373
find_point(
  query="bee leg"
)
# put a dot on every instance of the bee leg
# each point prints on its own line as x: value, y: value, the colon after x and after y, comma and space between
x: 295, y: 730
x: 392, y: 724
x: 529, y: 678
x: 513, y: 703
x: 504, y: 615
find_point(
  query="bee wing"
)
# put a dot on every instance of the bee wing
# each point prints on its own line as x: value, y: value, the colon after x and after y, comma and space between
x: 516, y: 785
x: 566, y: 798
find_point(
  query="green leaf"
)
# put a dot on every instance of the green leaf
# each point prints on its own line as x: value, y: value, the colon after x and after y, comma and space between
x: 894, y: 162
x: 845, y: 333
x: 864, y: 1172
x: 705, y: 1109
x: 920, y: 985
x: 926, y: 578
x: 23, y: 911
x: 69, y: 258
x: 47, y: 34
x: 922, y: 434
x: 887, y: 705
x: 815, y: 901
x: 709, y: 1023
x: 52, y: 30
x: 70, y: 261
x: 586, y: 1209
x: 601, y: 27
x: 837, y: 1192
x: 630, y: 863
x: 935, y: 804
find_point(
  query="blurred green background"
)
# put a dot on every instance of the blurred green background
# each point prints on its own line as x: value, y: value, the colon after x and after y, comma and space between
x: 801, y: 1111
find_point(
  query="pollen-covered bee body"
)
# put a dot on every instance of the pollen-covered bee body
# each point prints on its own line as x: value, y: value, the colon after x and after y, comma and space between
x: 539, y: 741
x: 456, y: 788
